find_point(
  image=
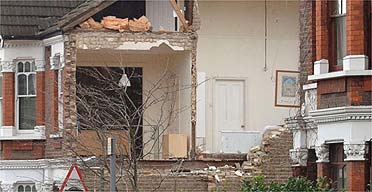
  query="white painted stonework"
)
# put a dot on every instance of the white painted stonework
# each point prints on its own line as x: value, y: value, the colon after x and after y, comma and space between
x: 298, y: 156
x: 355, y: 152
x: 322, y: 152
x: 146, y: 46
x: 41, y: 172
x: 355, y: 62
x: 321, y: 67
x: 338, y: 74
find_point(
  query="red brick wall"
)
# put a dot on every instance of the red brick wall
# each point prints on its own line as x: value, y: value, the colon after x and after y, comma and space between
x: 350, y: 91
x: 24, y: 149
x: 323, y: 170
x: 321, y: 22
x: 8, y: 99
x: 355, y: 27
x: 40, y: 98
x: 356, y: 176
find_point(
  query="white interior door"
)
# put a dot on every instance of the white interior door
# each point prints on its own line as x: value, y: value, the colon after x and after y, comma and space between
x: 229, y: 108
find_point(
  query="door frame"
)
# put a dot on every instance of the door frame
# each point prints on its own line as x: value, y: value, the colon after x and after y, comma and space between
x: 216, y: 135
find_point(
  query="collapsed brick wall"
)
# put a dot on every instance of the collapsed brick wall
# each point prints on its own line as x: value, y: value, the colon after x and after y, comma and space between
x: 271, y: 159
x: 166, y: 182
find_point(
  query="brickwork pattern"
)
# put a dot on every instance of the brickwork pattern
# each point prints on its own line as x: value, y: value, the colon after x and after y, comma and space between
x: 8, y: 99
x: 322, y: 32
x: 355, y: 28
x: 40, y: 98
x: 350, y: 91
x: 307, y: 42
x: 169, y: 183
x: 357, y: 176
x: 25, y: 149
x: 271, y: 159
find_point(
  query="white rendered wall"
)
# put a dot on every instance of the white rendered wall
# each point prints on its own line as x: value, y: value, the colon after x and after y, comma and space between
x: 351, y: 132
x: 32, y: 50
x: 231, y: 44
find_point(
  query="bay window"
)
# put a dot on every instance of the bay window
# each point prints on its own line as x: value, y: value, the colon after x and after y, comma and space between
x: 26, y: 95
x: 337, y: 33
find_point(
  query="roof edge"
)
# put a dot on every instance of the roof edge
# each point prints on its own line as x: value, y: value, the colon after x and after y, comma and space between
x: 77, y: 16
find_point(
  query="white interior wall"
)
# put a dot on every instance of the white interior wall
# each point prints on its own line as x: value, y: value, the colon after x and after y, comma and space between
x: 231, y: 44
x: 163, y: 67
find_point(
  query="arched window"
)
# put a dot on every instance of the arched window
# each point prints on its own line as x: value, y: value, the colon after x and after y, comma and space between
x: 26, y: 94
x: 26, y: 188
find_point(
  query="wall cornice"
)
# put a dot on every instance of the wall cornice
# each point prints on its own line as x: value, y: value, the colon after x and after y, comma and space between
x: 22, y: 43
x: 350, y: 113
x: 33, y: 164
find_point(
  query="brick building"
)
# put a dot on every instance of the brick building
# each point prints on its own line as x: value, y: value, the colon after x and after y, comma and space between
x: 46, y: 48
x: 332, y: 136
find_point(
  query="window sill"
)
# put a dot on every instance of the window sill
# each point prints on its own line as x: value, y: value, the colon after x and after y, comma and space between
x: 339, y: 74
x: 10, y: 133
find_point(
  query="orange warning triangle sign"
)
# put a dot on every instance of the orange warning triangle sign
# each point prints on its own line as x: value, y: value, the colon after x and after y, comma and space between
x: 73, y: 168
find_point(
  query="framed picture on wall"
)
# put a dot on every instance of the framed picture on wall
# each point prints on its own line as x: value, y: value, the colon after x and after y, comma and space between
x: 286, y: 88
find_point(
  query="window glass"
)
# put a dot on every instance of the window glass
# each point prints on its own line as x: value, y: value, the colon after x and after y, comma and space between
x: 340, y: 28
x: 27, y: 108
x: 31, y: 84
x: 21, y: 188
x: 27, y: 66
x: 33, y: 188
x: 27, y: 188
x: 20, y: 67
x: 22, y: 84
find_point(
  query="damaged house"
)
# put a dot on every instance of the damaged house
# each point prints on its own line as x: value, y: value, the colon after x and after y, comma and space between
x: 77, y: 72
x: 332, y: 136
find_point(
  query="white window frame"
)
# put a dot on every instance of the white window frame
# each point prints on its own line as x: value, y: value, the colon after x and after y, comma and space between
x: 60, y: 99
x: 17, y: 118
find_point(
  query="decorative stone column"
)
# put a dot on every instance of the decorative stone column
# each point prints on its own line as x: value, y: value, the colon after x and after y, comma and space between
x: 299, y: 160
x: 40, y: 98
x: 322, y: 152
x: 8, y: 89
x: 356, y: 167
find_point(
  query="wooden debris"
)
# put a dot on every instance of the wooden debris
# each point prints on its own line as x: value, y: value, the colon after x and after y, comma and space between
x: 93, y: 24
x: 111, y: 22
x: 118, y: 24
x: 84, y: 25
x: 140, y: 25
x: 177, y: 9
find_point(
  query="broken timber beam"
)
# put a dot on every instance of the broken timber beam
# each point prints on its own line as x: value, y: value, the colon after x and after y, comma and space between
x: 177, y: 9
